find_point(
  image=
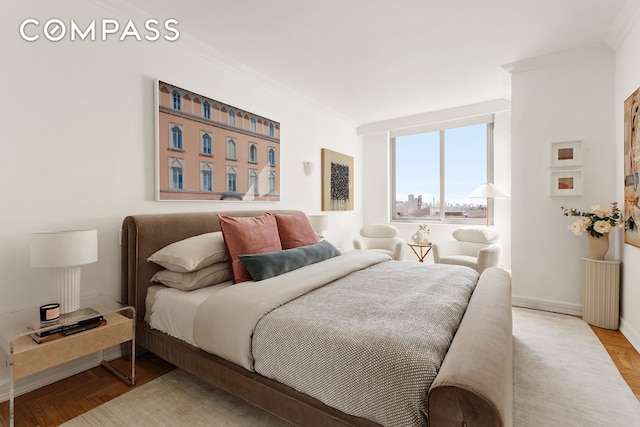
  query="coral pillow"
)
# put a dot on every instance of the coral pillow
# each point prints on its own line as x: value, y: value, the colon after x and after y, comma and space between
x: 295, y: 231
x: 248, y: 235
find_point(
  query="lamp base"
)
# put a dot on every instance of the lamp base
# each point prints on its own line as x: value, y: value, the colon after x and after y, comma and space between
x: 67, y: 283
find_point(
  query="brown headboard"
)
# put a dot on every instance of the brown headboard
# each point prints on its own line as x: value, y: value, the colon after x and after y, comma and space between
x: 142, y: 235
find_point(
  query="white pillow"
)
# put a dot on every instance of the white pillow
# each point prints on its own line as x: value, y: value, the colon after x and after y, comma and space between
x: 192, y: 254
x: 478, y: 234
x: 208, y: 276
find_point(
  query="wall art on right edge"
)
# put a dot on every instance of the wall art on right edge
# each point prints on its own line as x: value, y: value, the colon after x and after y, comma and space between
x: 337, y: 181
x: 631, y: 165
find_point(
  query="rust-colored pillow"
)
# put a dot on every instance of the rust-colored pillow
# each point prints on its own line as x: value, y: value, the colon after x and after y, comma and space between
x: 248, y: 235
x: 295, y: 231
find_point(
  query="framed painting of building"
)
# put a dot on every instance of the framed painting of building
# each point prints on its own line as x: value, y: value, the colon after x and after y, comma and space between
x: 631, y: 166
x: 210, y: 150
x: 337, y: 181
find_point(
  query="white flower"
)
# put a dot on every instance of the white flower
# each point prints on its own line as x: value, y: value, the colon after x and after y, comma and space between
x: 584, y: 220
x: 602, y: 227
x: 600, y: 210
x: 578, y: 227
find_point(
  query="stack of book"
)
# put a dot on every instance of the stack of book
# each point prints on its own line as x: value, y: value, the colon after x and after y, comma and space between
x: 88, y: 319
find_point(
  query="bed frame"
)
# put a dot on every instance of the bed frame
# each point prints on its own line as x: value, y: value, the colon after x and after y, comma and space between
x: 474, y: 386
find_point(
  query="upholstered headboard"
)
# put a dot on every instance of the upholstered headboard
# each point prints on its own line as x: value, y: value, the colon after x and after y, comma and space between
x: 142, y: 235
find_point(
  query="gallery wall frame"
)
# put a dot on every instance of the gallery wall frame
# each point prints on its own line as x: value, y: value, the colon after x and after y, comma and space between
x: 337, y: 181
x: 566, y: 183
x: 209, y: 150
x: 567, y: 153
x: 631, y: 210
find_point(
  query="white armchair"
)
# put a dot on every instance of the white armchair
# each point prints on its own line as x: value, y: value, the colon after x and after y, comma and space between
x: 383, y: 238
x: 474, y: 247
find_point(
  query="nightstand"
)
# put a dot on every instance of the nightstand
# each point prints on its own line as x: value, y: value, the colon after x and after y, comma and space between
x: 25, y: 357
x: 423, y: 249
x: 601, y: 293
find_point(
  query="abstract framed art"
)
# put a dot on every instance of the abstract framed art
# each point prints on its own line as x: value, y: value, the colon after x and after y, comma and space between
x: 568, y: 153
x: 210, y: 150
x: 337, y: 181
x: 631, y: 166
x: 566, y: 183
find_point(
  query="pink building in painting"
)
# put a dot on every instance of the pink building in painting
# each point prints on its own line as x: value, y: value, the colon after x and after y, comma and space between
x: 209, y: 150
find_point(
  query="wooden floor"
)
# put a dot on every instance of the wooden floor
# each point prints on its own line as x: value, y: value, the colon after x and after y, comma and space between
x: 59, y: 402
x: 66, y: 399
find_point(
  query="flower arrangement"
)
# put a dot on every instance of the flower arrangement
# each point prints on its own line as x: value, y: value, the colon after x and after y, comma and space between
x: 597, y: 222
x: 421, y: 234
x: 424, y: 228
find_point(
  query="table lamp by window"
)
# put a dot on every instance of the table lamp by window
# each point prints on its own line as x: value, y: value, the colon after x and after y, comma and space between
x: 319, y: 223
x: 64, y: 252
x: 487, y: 191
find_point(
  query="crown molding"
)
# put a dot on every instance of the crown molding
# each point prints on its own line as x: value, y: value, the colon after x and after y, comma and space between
x: 125, y: 10
x: 626, y: 19
x: 556, y: 58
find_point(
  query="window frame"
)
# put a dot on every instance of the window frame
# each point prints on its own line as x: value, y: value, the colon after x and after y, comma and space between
x: 440, y: 127
x: 203, y: 143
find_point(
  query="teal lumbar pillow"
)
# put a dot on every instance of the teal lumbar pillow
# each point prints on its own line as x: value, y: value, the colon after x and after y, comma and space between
x: 270, y: 264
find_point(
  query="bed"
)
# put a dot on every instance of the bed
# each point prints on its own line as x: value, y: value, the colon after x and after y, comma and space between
x: 473, y: 385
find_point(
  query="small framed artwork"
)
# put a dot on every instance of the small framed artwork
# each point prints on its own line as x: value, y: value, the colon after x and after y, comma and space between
x: 337, y: 181
x: 567, y: 153
x: 566, y: 183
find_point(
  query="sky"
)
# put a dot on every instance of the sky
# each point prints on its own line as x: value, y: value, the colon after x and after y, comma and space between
x: 418, y: 172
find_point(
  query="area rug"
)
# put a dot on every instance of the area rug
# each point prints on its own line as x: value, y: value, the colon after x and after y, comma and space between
x: 563, y: 377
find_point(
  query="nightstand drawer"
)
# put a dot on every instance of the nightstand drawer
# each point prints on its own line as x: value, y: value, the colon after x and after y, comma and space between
x: 30, y: 357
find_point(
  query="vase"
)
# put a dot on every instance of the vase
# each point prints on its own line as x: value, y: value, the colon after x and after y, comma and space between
x: 420, y: 236
x: 597, y: 247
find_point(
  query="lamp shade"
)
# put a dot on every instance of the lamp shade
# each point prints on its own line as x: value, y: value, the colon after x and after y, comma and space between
x: 487, y: 190
x: 319, y: 223
x: 60, y: 249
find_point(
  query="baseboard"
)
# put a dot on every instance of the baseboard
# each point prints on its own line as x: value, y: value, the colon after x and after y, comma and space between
x: 57, y: 373
x: 547, y: 305
x: 630, y: 334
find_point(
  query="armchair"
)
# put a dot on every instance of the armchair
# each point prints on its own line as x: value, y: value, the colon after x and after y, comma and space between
x: 383, y: 238
x: 474, y: 247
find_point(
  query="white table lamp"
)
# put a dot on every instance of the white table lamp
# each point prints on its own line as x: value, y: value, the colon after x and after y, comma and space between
x: 64, y: 252
x: 487, y: 191
x: 319, y: 223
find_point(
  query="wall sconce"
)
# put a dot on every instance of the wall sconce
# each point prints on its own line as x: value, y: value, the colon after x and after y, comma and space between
x: 64, y: 252
x: 308, y: 167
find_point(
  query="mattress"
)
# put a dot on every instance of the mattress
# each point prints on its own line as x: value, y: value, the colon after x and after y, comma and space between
x: 172, y: 311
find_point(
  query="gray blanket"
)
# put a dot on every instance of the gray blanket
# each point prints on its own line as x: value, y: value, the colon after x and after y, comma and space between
x: 371, y: 343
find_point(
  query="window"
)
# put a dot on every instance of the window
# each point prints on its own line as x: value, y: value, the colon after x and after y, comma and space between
x: 253, y: 181
x: 176, y: 171
x: 177, y: 100
x: 232, y: 177
x: 232, y: 118
x: 272, y: 132
x: 206, y: 176
x: 206, y: 144
x: 176, y: 137
x: 231, y: 149
x: 271, y: 183
x: 271, y: 156
x: 253, y: 152
x: 252, y: 124
x: 436, y: 168
x: 206, y: 110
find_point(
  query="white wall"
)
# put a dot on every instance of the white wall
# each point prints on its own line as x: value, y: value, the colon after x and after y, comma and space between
x: 78, y: 139
x: 560, y: 97
x: 627, y: 80
x: 377, y: 173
